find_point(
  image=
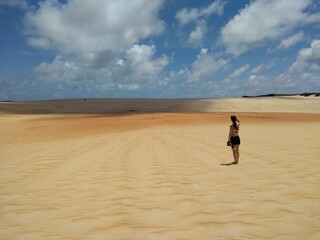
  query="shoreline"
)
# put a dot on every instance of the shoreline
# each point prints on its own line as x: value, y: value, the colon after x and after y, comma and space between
x: 294, y: 104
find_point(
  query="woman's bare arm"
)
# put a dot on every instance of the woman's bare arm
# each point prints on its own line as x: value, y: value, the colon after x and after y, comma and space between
x: 230, y: 133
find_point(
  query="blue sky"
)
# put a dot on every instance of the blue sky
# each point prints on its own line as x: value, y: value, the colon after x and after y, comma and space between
x: 159, y: 49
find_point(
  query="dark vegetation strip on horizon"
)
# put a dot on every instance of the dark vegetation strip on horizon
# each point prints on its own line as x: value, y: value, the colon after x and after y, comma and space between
x: 316, y: 94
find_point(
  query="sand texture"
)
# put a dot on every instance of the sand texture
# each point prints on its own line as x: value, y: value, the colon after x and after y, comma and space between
x: 159, y: 176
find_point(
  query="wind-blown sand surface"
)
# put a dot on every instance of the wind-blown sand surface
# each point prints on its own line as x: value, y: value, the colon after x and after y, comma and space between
x: 141, y: 175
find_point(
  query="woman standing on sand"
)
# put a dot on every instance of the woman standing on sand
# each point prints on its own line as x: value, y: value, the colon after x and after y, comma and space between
x: 234, y: 139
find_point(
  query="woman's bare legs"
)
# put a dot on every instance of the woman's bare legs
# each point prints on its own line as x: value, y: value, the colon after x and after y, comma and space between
x: 236, y: 154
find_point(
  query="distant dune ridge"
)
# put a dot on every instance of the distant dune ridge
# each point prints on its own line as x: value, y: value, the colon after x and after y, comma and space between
x: 262, y: 104
x: 158, y: 169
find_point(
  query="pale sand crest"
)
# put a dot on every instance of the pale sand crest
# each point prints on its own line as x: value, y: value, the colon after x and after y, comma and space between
x: 159, y: 175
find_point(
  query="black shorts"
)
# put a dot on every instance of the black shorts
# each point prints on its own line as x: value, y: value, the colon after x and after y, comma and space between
x: 235, y: 140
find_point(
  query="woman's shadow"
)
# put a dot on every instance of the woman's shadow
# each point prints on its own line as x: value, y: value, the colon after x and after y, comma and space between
x: 228, y: 164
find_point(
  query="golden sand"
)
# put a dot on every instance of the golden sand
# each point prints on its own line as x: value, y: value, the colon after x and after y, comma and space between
x: 159, y: 176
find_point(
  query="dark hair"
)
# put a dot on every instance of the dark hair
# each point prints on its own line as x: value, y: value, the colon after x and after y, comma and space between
x: 234, y: 122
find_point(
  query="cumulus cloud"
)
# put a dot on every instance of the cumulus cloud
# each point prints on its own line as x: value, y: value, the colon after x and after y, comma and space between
x: 64, y: 69
x: 204, y: 66
x: 297, y: 67
x: 256, y: 80
x: 239, y: 72
x: 262, y: 67
x: 294, y: 82
x: 291, y: 41
x: 140, y: 61
x: 296, y: 78
x: 137, y: 68
x: 187, y: 15
x: 307, y: 57
x: 311, y: 55
x: 198, y: 17
x: 196, y: 36
x: 78, y: 27
x: 265, y: 20
x: 98, y: 41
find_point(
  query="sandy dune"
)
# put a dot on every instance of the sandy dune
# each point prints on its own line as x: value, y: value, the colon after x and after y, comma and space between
x: 159, y: 175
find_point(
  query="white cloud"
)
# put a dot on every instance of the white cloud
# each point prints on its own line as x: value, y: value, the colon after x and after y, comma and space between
x: 138, y: 68
x: 311, y: 55
x: 60, y: 69
x: 284, y: 81
x: 297, y: 67
x: 256, y: 80
x: 307, y: 57
x: 299, y: 77
x: 291, y: 41
x: 186, y: 15
x: 79, y: 27
x: 204, y: 66
x: 315, y: 67
x: 97, y: 41
x: 196, y: 36
x: 39, y: 42
x: 262, y: 67
x: 141, y: 63
x: 306, y: 76
x: 265, y: 20
x: 239, y: 72
x: 198, y: 17
x: 293, y: 82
